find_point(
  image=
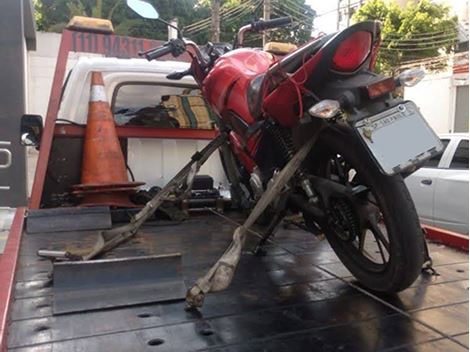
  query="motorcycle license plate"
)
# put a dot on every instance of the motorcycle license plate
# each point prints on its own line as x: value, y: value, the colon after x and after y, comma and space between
x: 399, y: 138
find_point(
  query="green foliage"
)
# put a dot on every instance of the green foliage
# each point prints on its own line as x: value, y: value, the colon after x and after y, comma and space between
x: 303, y: 16
x: 53, y: 15
x: 418, y: 31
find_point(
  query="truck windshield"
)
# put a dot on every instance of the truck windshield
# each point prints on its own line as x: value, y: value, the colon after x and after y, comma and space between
x: 163, y: 106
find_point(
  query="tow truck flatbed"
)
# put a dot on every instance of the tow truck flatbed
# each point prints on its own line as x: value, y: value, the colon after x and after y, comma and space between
x: 298, y: 297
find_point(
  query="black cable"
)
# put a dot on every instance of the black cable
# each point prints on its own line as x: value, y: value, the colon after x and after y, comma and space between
x: 130, y: 172
x: 72, y: 122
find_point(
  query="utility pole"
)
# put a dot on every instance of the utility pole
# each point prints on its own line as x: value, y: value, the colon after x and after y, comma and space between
x: 266, y: 16
x: 348, y: 14
x: 338, y: 15
x: 215, y: 23
x: 173, y: 33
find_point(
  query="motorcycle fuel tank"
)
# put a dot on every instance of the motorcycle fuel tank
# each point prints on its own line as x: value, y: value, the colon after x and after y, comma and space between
x: 225, y: 87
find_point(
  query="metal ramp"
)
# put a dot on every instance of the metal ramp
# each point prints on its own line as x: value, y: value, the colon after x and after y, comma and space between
x: 298, y: 297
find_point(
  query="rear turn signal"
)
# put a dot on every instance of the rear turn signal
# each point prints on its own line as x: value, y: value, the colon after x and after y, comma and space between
x: 381, y: 87
x: 325, y: 109
x: 411, y: 77
x: 352, y: 52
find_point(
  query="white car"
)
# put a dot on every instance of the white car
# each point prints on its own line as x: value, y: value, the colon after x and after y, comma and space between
x: 440, y: 188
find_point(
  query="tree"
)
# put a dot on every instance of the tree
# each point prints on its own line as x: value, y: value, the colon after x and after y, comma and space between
x: 419, y: 31
x: 236, y: 13
x: 53, y: 15
x: 192, y: 15
x: 302, y: 15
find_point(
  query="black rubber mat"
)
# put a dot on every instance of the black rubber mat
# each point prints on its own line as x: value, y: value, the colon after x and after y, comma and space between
x: 296, y: 298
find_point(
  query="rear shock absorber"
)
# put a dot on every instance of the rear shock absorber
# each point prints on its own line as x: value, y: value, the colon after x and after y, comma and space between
x: 283, y: 138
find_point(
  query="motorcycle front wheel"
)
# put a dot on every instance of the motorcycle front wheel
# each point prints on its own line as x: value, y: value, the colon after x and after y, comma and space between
x: 376, y: 234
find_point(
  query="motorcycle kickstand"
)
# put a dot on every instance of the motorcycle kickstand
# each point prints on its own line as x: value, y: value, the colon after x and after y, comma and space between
x: 268, y: 233
x: 428, y: 267
x: 280, y: 213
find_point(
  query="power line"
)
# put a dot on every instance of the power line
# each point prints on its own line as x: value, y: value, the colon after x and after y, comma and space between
x: 293, y: 9
x: 281, y: 12
x: 223, y: 13
x: 338, y: 8
x: 448, y: 37
x: 243, y: 11
x: 208, y: 19
x: 227, y: 18
x: 391, y: 45
x: 433, y: 46
x: 418, y: 34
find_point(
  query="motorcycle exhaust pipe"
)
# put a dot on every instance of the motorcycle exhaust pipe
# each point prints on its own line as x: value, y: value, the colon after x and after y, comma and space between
x: 299, y: 202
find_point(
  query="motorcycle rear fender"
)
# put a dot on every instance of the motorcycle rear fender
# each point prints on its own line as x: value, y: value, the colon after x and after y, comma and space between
x: 309, y: 70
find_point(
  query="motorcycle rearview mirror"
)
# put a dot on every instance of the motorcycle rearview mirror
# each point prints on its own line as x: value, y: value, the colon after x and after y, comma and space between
x: 146, y: 10
x: 143, y: 9
x: 31, y: 130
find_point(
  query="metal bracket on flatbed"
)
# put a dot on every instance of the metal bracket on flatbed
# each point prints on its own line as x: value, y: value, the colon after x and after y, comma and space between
x: 428, y: 267
x: 109, y: 239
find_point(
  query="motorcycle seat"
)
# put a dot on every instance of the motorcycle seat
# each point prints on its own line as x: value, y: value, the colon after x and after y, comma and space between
x: 289, y: 64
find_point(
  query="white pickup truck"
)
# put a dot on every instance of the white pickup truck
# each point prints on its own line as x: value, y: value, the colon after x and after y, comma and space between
x: 135, y: 84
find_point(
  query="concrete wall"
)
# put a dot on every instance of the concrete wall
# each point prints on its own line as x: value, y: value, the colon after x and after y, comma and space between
x: 41, y: 66
x: 433, y: 96
x: 40, y: 72
x: 436, y: 96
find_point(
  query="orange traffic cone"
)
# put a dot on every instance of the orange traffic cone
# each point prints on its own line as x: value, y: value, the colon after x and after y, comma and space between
x: 104, y: 175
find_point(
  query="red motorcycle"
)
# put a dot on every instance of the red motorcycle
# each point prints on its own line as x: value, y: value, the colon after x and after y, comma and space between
x: 350, y: 187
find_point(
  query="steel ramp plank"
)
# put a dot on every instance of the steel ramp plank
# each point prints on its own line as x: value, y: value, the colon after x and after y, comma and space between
x: 106, y: 283
x: 68, y: 219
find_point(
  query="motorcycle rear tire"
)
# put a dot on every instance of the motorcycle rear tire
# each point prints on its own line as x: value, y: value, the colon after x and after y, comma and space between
x: 407, y: 252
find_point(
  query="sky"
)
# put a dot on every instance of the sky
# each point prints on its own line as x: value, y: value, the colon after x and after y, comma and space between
x: 325, y: 23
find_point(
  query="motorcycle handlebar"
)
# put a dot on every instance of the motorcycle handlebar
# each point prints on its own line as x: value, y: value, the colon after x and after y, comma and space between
x: 262, y: 25
x: 156, y: 53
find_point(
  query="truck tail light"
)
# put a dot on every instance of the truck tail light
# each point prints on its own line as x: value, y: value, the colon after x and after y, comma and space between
x: 381, y: 87
x: 352, y: 52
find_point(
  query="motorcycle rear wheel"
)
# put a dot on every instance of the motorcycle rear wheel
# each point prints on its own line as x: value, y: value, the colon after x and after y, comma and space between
x: 385, y: 201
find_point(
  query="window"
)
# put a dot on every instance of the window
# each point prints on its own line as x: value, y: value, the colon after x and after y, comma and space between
x: 460, y: 159
x: 162, y: 106
x: 434, y: 161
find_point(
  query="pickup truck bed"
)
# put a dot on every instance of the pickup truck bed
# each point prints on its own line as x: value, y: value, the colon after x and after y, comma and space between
x: 296, y: 298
